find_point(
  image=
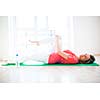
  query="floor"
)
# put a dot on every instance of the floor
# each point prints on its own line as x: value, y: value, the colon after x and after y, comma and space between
x: 56, y: 74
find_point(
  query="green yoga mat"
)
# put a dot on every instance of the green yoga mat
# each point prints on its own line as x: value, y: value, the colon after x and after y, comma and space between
x: 22, y: 64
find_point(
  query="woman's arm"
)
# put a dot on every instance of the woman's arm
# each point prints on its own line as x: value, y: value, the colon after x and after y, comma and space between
x: 63, y: 54
x: 68, y: 58
x: 58, y: 43
x: 58, y: 47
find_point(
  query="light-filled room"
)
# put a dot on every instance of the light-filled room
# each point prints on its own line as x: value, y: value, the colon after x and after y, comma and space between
x: 51, y: 49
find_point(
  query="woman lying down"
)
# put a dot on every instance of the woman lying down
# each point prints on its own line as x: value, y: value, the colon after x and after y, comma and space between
x: 68, y: 57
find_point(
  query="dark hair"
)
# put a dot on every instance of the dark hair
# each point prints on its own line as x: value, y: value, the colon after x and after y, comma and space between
x: 89, y: 61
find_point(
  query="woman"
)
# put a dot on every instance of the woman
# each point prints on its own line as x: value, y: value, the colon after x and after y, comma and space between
x: 68, y: 57
x: 64, y: 57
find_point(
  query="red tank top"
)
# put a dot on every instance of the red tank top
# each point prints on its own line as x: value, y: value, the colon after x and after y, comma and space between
x: 72, y: 59
x: 56, y: 58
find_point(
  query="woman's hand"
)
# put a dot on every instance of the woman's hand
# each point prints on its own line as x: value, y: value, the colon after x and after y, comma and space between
x: 63, y: 54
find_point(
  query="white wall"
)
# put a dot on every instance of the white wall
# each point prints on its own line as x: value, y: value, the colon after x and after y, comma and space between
x: 86, y: 34
x: 3, y: 37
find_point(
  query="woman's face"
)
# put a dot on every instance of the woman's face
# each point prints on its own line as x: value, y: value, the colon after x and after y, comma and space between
x: 84, y: 57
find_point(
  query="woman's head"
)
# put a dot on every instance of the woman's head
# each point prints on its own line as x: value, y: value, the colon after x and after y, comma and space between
x: 86, y: 59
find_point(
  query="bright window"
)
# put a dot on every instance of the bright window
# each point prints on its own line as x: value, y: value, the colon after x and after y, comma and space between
x: 25, y: 28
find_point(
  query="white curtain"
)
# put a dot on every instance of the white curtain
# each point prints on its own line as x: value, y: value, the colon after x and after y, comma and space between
x: 12, y: 37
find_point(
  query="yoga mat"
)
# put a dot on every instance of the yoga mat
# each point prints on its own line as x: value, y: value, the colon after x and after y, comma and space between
x: 22, y: 64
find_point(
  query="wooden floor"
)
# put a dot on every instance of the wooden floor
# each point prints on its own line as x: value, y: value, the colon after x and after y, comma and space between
x: 68, y: 74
